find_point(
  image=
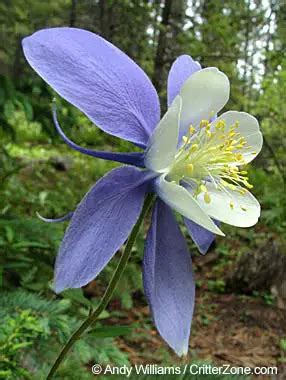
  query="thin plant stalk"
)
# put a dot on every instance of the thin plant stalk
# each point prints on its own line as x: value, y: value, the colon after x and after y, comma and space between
x: 92, y: 318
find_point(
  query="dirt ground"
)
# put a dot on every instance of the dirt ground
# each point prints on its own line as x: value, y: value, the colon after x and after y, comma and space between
x: 227, y: 328
x: 240, y: 332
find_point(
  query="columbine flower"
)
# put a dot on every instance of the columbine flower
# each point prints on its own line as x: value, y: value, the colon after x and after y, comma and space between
x: 192, y: 161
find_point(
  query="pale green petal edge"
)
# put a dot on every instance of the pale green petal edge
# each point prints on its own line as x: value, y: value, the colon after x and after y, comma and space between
x: 203, y: 94
x: 162, y: 146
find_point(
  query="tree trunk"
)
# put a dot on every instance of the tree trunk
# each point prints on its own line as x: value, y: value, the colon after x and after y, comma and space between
x: 73, y: 13
x: 158, y: 75
x: 104, y: 25
x: 168, y: 46
x: 246, y: 53
x: 17, y: 64
x: 261, y: 270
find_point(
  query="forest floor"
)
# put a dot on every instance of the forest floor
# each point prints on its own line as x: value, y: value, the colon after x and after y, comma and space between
x: 238, y: 330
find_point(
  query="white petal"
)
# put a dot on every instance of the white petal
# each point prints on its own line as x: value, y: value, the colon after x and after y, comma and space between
x: 162, y: 145
x: 181, y: 200
x: 204, y: 93
x: 219, y: 207
x: 248, y: 127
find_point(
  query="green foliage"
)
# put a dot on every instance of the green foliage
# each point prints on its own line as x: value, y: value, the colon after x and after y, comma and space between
x: 283, y: 344
x: 268, y: 298
x: 103, y: 332
x: 18, y: 334
x: 216, y: 286
x: 130, y: 283
x: 22, y: 243
x: 9, y: 167
x: 272, y: 197
x: 15, y: 107
x: 32, y: 324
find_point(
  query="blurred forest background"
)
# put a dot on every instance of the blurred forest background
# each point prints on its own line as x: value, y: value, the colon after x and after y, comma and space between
x: 241, y: 298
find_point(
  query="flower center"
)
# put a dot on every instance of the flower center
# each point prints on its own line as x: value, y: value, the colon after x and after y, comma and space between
x: 212, y: 155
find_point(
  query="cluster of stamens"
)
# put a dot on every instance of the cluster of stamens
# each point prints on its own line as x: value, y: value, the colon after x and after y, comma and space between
x: 213, y: 154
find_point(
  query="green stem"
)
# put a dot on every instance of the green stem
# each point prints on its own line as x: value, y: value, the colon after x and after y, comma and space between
x: 109, y: 291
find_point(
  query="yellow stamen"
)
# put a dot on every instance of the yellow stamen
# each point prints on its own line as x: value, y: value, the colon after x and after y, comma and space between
x: 194, y: 147
x: 207, y: 198
x: 190, y: 168
x: 214, y: 153
x: 220, y: 124
x: 204, y: 123
x: 191, y: 129
x: 203, y: 188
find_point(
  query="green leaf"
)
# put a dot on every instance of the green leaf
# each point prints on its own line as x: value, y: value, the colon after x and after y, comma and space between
x: 77, y: 296
x: 9, y: 234
x: 111, y: 331
x: 283, y: 344
x: 104, y: 315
